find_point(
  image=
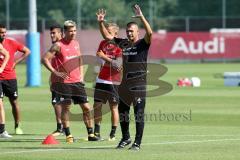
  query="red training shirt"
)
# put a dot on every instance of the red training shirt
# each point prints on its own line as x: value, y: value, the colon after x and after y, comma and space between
x: 67, y: 61
x: 12, y: 47
x: 110, y: 49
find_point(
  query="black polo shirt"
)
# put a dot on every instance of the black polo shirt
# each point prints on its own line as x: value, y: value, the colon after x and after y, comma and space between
x: 134, y: 57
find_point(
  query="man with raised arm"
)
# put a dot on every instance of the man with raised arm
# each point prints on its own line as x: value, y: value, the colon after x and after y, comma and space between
x: 135, y: 52
x: 108, y: 81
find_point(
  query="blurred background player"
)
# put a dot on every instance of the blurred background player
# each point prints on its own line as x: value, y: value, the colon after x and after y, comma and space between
x: 135, y: 50
x: 8, y: 76
x: 4, y: 57
x: 107, y: 82
x: 67, y: 78
x: 56, y: 34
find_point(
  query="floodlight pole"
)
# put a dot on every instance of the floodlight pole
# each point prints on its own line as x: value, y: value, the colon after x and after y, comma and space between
x: 223, y: 13
x: 79, y: 18
x: 33, y: 42
x: 7, y: 15
x: 150, y: 12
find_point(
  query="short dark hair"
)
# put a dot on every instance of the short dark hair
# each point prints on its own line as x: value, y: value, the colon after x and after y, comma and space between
x: 129, y: 24
x: 56, y: 26
x: 2, y: 25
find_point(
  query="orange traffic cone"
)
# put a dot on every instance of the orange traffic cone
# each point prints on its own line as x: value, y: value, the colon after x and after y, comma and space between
x: 50, y: 140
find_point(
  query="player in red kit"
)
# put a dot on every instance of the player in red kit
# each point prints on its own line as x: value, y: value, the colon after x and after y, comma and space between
x: 56, y: 34
x: 4, y: 57
x: 107, y: 82
x: 67, y: 78
x: 8, y: 76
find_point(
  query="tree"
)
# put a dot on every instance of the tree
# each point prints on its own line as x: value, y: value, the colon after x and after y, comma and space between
x: 116, y: 10
x: 162, y: 13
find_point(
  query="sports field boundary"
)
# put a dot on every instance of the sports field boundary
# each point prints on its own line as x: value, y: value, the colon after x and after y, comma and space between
x: 113, y: 146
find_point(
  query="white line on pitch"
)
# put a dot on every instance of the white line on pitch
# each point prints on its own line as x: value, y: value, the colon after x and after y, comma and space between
x: 185, y: 142
x: 31, y: 151
x: 112, y: 146
x: 193, y: 135
x: 160, y: 135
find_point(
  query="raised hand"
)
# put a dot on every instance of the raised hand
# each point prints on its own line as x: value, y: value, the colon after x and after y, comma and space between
x: 101, y: 15
x: 137, y: 10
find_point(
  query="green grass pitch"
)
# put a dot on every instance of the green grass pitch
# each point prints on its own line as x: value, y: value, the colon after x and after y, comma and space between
x: 199, y: 124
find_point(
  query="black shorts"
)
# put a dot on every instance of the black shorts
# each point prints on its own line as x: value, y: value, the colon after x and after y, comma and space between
x: 68, y: 92
x: 132, y: 93
x: 9, y: 88
x: 106, y: 92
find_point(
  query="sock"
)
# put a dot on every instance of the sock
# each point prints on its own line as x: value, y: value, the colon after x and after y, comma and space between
x: 113, y: 131
x: 16, y: 125
x: 90, y: 130
x: 2, y: 128
x: 59, y: 126
x: 97, y: 129
x: 67, y: 131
